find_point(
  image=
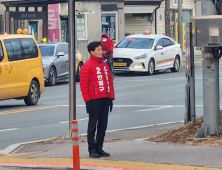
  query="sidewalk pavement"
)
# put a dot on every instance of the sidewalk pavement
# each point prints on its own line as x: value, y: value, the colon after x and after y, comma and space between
x: 128, y: 152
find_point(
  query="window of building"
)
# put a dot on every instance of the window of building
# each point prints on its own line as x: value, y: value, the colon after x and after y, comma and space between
x: 81, y: 28
x: 64, y: 30
x: 33, y: 29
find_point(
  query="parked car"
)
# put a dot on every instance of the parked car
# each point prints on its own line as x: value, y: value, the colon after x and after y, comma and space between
x: 21, y: 73
x: 55, y: 58
x: 147, y: 53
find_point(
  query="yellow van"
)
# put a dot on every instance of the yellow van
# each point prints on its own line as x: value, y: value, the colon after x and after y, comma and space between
x: 21, y: 71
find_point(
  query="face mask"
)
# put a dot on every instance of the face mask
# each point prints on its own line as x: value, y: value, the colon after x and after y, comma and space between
x: 104, y: 40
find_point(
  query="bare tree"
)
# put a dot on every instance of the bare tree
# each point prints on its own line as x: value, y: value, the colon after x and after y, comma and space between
x: 167, y: 18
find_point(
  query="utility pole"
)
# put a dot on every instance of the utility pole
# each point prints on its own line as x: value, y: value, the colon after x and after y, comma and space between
x: 167, y: 18
x: 180, y: 23
x: 72, y: 58
x: 210, y: 64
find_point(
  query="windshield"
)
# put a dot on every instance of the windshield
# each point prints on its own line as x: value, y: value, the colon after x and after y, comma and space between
x: 138, y: 43
x: 47, y: 50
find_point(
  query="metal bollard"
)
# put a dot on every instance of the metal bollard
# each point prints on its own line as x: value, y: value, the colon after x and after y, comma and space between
x: 75, y: 145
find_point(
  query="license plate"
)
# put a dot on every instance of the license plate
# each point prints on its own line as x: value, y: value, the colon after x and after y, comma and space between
x: 120, y: 64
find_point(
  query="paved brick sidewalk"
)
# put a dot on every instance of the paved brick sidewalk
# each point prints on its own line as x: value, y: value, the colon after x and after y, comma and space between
x: 125, y: 148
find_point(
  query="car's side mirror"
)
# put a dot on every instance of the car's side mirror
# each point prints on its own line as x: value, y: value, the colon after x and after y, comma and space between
x: 159, y: 47
x: 60, y: 54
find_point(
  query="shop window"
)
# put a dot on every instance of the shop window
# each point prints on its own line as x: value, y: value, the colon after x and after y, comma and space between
x: 64, y: 30
x: 109, y: 26
x: 33, y: 29
x: 81, y: 28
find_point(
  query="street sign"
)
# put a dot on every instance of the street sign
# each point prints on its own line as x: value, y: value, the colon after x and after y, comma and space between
x: 28, y: 15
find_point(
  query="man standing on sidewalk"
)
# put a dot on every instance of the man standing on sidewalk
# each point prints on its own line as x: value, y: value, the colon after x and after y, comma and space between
x: 96, y: 84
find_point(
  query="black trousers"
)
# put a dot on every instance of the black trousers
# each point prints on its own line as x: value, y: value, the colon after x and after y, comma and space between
x: 110, y: 63
x: 98, y: 121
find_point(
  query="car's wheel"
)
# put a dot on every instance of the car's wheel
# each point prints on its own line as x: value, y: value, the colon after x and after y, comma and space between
x: 176, y: 65
x: 52, y: 77
x: 33, y: 95
x: 78, y: 72
x: 151, y: 67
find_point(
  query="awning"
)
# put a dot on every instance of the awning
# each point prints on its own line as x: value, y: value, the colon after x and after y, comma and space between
x: 142, y: 2
x: 139, y: 9
x: 31, y: 3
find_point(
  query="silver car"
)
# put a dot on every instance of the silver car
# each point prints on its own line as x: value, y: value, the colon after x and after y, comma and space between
x: 55, y: 59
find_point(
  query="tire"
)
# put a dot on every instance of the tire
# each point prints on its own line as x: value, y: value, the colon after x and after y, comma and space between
x: 176, y: 65
x: 33, y: 95
x: 52, y: 77
x: 151, y: 67
x: 78, y: 72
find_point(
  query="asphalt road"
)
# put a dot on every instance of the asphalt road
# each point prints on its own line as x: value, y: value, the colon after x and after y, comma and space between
x: 140, y: 100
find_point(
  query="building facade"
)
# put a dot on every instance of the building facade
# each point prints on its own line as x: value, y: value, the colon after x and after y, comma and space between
x: 92, y: 19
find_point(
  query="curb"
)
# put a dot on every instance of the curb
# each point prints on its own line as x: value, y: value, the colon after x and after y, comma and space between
x: 61, y: 166
x: 12, y: 147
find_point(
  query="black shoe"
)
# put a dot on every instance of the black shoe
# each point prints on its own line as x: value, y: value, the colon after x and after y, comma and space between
x: 94, y: 154
x: 102, y: 153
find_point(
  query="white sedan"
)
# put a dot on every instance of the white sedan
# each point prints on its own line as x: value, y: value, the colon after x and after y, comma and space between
x: 147, y: 53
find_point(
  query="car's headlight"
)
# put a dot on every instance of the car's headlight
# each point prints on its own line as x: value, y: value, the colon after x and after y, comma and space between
x: 141, y: 57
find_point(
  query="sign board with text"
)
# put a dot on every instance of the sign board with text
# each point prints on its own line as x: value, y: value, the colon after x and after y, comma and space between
x: 28, y: 15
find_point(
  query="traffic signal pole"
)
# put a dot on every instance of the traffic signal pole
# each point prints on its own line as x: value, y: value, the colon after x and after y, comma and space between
x: 211, y: 93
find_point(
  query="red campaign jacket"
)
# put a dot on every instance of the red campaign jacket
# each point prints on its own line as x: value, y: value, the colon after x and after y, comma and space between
x: 107, y: 46
x: 96, y: 80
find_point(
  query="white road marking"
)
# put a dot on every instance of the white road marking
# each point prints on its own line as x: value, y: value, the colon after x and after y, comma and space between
x: 151, y: 80
x: 153, y: 109
x: 138, y: 127
x: 8, y: 129
x: 78, y: 120
x: 139, y: 105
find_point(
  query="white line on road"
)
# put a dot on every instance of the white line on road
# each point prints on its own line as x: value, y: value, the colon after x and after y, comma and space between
x: 138, y: 127
x: 154, y: 109
x: 152, y: 80
x: 138, y: 105
x: 8, y: 129
x: 78, y: 120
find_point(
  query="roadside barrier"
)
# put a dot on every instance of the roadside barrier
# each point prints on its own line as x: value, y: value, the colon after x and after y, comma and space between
x: 75, y: 145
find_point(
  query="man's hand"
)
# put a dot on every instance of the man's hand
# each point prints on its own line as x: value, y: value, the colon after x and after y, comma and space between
x: 110, y: 105
x: 89, y: 107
